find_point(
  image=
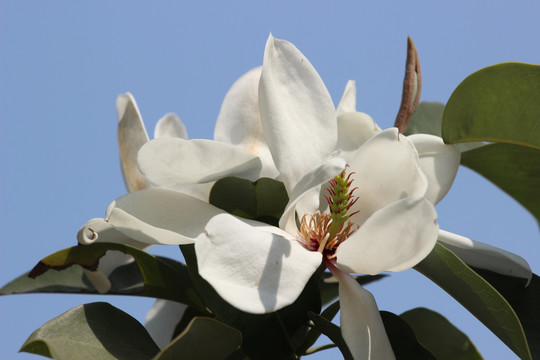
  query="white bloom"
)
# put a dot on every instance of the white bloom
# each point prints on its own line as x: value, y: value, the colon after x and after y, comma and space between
x: 260, y: 268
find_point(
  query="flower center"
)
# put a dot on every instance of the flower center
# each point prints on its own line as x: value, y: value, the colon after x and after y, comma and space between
x: 323, y: 232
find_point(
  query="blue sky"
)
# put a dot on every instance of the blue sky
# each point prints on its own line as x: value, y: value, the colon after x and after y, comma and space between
x: 62, y: 64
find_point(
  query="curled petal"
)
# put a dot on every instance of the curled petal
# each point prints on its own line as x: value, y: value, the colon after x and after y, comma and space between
x: 348, y: 99
x: 395, y: 238
x: 162, y: 319
x: 485, y: 256
x: 255, y: 269
x: 439, y: 162
x: 169, y: 161
x: 354, y: 129
x: 297, y: 113
x: 100, y: 230
x: 160, y: 216
x: 170, y: 126
x: 304, y: 198
x: 386, y: 169
x: 361, y: 324
x: 131, y: 136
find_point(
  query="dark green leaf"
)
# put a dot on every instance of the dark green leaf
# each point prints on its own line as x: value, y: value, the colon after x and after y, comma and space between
x: 263, y: 200
x: 524, y: 300
x: 203, y: 338
x: 314, y: 333
x: 333, y: 332
x: 500, y: 103
x: 403, y: 339
x: 328, y: 285
x: 445, y: 269
x: 515, y: 169
x: 92, y: 331
x: 427, y: 119
x: 265, y: 336
x: 439, y: 336
x: 146, y: 276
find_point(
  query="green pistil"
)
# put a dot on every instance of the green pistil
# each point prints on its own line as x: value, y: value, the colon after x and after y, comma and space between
x: 339, y: 201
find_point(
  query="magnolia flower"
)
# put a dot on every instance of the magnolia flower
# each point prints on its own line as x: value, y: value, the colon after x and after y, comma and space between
x: 387, y: 225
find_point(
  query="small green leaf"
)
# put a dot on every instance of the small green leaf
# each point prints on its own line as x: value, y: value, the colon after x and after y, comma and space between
x: 427, y: 119
x: 403, y: 339
x: 92, y: 331
x: 445, y: 269
x: 439, y: 336
x: 314, y: 333
x: 263, y: 200
x: 515, y: 169
x: 524, y: 299
x: 203, y: 338
x: 329, y: 286
x: 148, y: 275
x: 500, y: 103
x: 333, y: 332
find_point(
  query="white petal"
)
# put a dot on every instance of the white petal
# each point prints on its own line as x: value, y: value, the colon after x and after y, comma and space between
x: 160, y: 216
x: 131, y: 136
x: 304, y: 198
x: 354, y: 129
x: 170, y: 126
x: 297, y: 113
x: 254, y: 270
x: 386, y: 169
x: 394, y: 238
x: 439, y: 162
x: 162, y: 319
x: 239, y: 120
x: 485, y: 256
x: 169, y: 161
x: 361, y: 324
x: 348, y: 99
x: 99, y: 279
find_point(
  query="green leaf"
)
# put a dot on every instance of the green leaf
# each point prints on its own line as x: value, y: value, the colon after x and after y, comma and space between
x: 333, y: 332
x: 524, y: 300
x: 314, y: 333
x: 427, y: 119
x: 439, y: 336
x: 329, y: 286
x: 92, y: 331
x: 445, y: 269
x: 515, y: 169
x: 263, y: 200
x: 500, y: 103
x: 403, y: 339
x: 148, y: 275
x: 203, y: 338
x: 274, y: 335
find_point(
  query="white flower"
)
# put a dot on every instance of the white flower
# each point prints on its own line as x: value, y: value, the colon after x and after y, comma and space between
x: 260, y: 268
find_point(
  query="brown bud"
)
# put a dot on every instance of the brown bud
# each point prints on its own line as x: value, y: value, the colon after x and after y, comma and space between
x: 412, y: 86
